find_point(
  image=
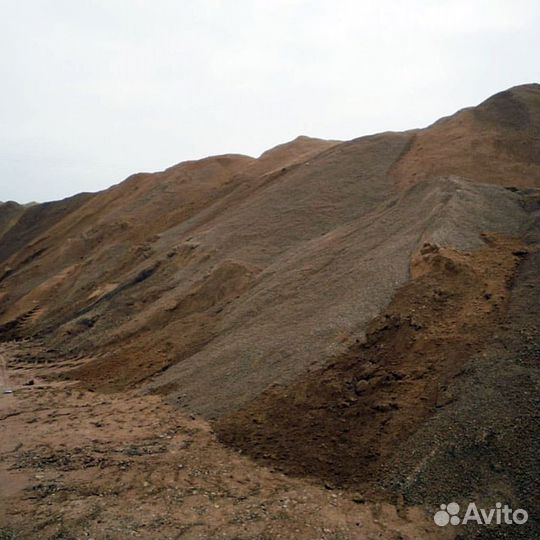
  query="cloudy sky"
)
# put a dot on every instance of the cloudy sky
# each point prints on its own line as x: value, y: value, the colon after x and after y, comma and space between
x: 94, y: 90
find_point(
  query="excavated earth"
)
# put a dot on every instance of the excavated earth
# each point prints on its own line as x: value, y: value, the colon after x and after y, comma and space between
x: 330, y: 340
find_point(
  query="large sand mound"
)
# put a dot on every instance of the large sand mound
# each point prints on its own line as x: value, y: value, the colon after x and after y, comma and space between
x: 229, y: 274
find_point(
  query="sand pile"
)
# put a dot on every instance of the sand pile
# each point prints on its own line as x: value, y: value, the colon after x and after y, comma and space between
x: 229, y: 274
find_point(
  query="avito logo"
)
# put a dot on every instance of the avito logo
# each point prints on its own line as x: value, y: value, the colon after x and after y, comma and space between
x: 500, y: 515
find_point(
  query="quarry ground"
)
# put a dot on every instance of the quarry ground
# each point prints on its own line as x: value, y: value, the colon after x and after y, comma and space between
x: 79, y: 464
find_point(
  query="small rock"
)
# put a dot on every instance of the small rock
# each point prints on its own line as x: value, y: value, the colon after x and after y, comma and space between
x: 361, y: 386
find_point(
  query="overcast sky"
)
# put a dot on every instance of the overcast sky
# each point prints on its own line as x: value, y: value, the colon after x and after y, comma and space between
x: 94, y: 90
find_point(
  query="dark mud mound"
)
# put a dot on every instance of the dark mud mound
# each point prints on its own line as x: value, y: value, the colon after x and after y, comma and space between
x: 344, y: 424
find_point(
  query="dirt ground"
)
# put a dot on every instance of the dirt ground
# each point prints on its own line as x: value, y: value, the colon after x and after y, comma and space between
x: 77, y: 464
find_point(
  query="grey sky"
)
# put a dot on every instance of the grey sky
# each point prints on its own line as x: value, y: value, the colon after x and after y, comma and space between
x: 94, y: 90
